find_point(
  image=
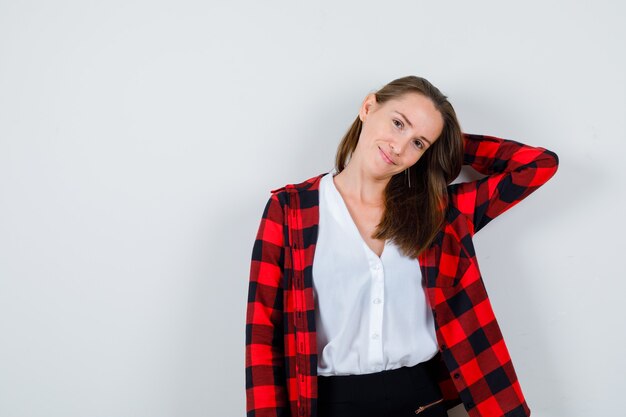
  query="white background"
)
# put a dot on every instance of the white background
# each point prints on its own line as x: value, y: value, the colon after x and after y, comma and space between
x: 139, y: 141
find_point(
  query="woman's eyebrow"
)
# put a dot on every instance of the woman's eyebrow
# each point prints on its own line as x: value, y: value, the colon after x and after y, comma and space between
x: 410, y: 124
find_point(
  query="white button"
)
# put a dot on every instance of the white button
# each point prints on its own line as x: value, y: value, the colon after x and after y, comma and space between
x: 377, y: 301
x: 375, y: 336
x: 377, y: 266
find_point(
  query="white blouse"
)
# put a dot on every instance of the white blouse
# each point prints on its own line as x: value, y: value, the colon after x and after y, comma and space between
x: 371, y: 312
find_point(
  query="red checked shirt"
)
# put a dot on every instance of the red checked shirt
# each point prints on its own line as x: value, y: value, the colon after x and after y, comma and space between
x: 474, y: 365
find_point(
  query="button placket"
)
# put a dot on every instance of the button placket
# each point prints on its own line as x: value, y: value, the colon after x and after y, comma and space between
x: 377, y: 294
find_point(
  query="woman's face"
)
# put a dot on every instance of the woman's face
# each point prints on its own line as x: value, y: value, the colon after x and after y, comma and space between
x: 396, y: 134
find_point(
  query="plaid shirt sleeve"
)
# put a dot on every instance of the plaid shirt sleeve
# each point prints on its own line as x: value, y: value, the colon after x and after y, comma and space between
x: 513, y: 171
x: 266, y: 394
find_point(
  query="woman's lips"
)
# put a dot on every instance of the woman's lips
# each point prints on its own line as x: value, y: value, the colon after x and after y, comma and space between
x: 385, y: 157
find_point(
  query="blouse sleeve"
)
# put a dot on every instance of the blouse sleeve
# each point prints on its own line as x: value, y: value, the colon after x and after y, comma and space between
x: 513, y: 171
x: 266, y: 394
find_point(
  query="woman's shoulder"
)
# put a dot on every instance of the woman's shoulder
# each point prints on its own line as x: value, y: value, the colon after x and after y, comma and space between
x: 309, y: 184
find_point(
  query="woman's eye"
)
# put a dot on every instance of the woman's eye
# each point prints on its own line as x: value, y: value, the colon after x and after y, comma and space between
x: 417, y: 143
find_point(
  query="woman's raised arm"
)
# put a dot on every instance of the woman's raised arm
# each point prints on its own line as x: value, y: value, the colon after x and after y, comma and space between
x: 514, y: 170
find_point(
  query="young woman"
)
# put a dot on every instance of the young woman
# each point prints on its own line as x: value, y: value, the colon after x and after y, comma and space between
x: 365, y: 296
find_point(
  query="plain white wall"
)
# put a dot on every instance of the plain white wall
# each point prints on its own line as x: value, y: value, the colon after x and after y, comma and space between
x: 139, y: 141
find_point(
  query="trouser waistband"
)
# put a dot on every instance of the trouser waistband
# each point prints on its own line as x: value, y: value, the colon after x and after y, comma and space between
x: 403, y: 381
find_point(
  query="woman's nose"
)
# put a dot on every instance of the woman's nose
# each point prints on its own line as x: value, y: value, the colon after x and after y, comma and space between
x: 398, y: 143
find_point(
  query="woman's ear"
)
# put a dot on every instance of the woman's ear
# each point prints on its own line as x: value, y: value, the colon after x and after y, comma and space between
x: 368, y: 102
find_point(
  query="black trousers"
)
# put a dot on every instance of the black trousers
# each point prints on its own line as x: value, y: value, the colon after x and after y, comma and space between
x: 392, y: 393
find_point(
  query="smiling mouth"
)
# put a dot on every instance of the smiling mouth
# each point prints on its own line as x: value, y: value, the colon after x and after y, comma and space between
x: 386, y: 157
